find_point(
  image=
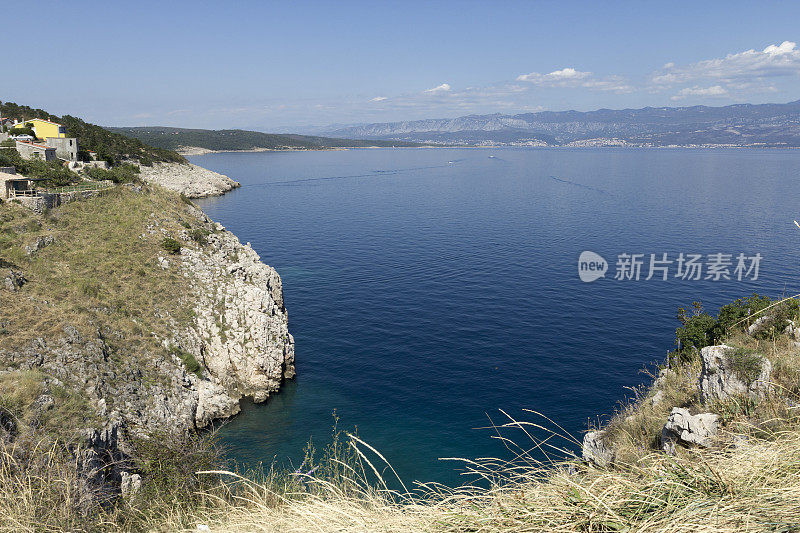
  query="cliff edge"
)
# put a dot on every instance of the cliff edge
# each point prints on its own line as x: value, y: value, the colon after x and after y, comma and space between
x: 130, y: 315
x: 190, y: 180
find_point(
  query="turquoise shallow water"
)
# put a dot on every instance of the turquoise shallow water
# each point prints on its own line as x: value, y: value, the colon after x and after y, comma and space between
x: 429, y: 288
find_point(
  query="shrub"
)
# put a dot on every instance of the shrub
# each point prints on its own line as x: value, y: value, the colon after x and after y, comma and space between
x: 698, y: 330
x: 746, y: 363
x: 189, y: 361
x: 171, y: 245
x: 24, y: 130
x: 52, y: 171
x: 200, y: 236
x: 125, y: 173
x: 733, y: 315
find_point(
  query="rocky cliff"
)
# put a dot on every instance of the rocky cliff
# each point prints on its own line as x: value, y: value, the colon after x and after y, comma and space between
x: 190, y: 180
x: 132, y: 314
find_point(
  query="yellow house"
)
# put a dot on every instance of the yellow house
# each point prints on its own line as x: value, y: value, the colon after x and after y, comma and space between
x: 45, y: 128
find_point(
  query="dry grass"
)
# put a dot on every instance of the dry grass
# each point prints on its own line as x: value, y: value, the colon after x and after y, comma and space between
x: 102, y: 269
x: 753, y: 488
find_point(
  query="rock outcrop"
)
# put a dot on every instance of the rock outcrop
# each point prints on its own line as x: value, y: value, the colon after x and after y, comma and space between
x: 13, y: 280
x: 241, y: 333
x: 730, y: 372
x: 596, y: 450
x: 190, y: 180
x: 684, y: 428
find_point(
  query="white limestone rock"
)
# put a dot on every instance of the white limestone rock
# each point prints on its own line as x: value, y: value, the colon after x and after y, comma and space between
x: 130, y: 484
x: 719, y: 377
x: 241, y: 331
x: 684, y: 428
x: 213, y: 402
x: 596, y: 450
x: 190, y: 180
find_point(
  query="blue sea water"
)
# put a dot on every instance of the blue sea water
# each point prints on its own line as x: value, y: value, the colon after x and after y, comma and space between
x: 428, y: 289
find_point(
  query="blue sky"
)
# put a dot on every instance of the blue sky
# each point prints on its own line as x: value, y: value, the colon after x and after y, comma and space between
x: 290, y: 66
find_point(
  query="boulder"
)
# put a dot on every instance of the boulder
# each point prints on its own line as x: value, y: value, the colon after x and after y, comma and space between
x: 213, y: 402
x: 130, y: 484
x: 595, y: 450
x: 13, y: 280
x: 38, y: 244
x: 727, y: 372
x: 760, y: 324
x: 684, y: 428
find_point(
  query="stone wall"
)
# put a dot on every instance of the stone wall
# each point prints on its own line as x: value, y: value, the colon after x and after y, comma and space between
x: 66, y: 148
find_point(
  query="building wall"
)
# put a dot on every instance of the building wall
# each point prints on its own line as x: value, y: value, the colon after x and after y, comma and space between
x: 31, y: 150
x: 45, y: 129
x: 66, y: 148
x: 4, y: 186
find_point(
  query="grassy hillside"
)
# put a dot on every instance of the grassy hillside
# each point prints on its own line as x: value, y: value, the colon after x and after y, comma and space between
x: 109, y: 146
x: 176, y: 138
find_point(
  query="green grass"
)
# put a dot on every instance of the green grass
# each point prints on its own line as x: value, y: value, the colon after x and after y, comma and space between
x: 189, y: 361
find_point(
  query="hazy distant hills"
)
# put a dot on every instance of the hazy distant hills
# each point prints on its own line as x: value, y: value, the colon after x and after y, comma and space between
x: 181, y: 138
x: 774, y: 125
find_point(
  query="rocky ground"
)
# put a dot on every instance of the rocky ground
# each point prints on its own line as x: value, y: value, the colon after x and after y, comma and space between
x: 190, y: 180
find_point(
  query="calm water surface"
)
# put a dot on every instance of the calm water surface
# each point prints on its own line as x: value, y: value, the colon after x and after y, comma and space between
x: 429, y: 288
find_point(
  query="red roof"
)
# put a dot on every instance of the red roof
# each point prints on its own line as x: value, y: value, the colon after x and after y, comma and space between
x: 34, y: 144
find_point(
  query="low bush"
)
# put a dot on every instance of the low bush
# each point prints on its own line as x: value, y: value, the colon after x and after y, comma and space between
x: 200, y: 236
x: 189, y: 361
x: 171, y: 245
x: 125, y: 173
x: 746, y: 363
x: 700, y: 329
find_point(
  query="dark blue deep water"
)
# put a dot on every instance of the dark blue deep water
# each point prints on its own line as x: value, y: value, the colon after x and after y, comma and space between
x: 429, y: 288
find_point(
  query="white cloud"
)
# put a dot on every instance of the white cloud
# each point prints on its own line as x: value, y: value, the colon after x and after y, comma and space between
x: 443, y: 88
x: 566, y: 77
x: 616, y: 84
x: 569, y: 77
x: 772, y: 61
x: 378, y: 99
x: 716, y: 90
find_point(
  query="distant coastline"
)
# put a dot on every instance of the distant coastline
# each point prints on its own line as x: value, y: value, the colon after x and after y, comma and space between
x: 198, y: 150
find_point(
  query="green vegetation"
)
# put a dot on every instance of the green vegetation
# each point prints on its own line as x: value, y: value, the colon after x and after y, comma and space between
x: 171, y: 245
x: 109, y: 146
x: 24, y: 130
x: 189, y: 361
x: 125, y: 173
x: 175, y: 138
x: 53, y: 172
x: 200, y: 235
x: 699, y: 329
x: 746, y: 363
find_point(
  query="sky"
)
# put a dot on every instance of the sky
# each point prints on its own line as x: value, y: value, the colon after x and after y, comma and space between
x: 300, y: 66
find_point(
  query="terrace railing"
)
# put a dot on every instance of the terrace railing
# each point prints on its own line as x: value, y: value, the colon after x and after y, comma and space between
x: 80, y: 187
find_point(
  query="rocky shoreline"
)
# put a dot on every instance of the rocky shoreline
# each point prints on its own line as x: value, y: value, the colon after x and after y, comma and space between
x: 189, y: 180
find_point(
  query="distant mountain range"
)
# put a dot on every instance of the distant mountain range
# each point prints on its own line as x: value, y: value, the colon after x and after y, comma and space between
x: 222, y: 140
x: 762, y: 125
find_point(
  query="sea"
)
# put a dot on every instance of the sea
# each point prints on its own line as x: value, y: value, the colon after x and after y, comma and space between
x: 450, y: 303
